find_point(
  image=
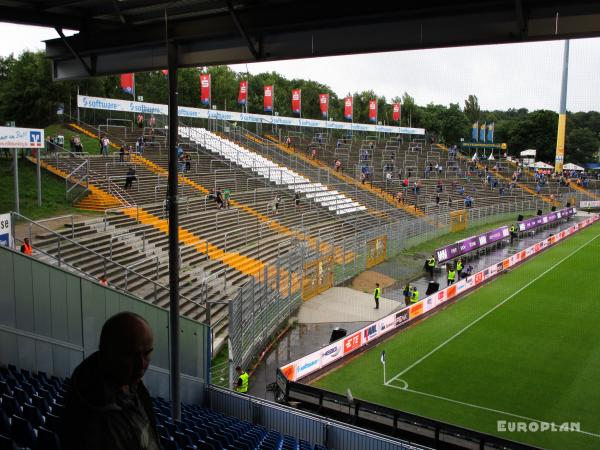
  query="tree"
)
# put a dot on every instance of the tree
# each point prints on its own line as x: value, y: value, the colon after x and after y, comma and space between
x: 582, y: 145
x: 454, y: 125
x: 410, y: 115
x: 472, y: 110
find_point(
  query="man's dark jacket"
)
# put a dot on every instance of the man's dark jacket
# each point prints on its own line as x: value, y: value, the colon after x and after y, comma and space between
x: 93, y: 420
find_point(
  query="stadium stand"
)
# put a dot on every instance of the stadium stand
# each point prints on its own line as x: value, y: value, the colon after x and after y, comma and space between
x: 32, y: 404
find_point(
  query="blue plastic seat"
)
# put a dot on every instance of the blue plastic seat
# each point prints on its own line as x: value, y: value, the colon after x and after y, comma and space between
x: 7, y: 443
x: 53, y: 423
x: 40, y: 403
x: 22, y: 432
x: 33, y: 415
x: 10, y: 405
x: 47, y: 440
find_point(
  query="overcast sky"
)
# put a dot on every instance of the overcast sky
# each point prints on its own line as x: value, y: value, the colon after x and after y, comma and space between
x: 502, y: 76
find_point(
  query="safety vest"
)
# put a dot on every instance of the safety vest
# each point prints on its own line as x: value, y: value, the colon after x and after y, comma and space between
x: 513, y: 229
x: 451, y: 275
x: 431, y: 262
x: 377, y: 292
x: 244, y: 387
x: 415, y: 296
x: 27, y: 249
x: 459, y: 265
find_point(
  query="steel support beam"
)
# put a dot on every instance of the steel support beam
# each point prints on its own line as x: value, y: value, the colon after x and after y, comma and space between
x: 173, y: 235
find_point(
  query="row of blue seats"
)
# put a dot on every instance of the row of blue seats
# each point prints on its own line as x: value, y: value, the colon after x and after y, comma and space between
x: 31, y: 407
x: 26, y: 406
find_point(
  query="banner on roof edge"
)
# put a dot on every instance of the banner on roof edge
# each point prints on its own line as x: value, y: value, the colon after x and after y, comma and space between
x: 296, y: 101
x: 348, y: 113
x: 110, y: 104
x: 268, y: 100
x: 243, y: 94
x: 205, y: 88
x: 396, y: 112
x: 373, y: 111
x: 127, y: 82
x: 324, y: 104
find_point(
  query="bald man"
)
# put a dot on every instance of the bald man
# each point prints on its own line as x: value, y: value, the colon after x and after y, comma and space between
x: 107, y: 405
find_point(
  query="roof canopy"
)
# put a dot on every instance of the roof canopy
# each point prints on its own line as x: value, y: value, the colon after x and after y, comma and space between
x: 131, y: 35
x: 541, y: 165
x: 529, y: 152
x: 571, y: 166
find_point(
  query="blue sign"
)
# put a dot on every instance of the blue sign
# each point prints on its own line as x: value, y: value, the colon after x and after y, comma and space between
x: 35, y: 138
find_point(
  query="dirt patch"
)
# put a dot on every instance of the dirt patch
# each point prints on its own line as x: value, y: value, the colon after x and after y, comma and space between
x: 365, y: 282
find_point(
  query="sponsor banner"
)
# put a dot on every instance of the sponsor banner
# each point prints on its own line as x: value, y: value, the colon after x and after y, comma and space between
x: 324, y: 105
x: 534, y: 222
x: 396, y: 107
x: 370, y: 333
x: 401, y: 317
x: 5, y: 231
x: 470, y: 244
x: 127, y: 82
x: 373, y: 111
x: 243, y: 94
x: 589, y: 204
x: 268, y: 100
x: 429, y: 303
x: 416, y: 309
x: 348, y: 113
x: 14, y: 137
x: 205, y: 88
x: 331, y: 353
x: 308, y: 364
x: 387, y: 324
x: 85, y: 101
x: 296, y: 101
x: 352, y: 342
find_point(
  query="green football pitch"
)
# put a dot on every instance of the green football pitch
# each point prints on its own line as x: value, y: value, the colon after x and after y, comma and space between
x: 523, y: 349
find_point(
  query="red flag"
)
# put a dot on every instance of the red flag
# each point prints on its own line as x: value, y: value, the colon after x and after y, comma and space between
x: 324, y: 103
x: 296, y: 101
x: 268, y: 101
x: 348, y: 108
x: 373, y: 111
x: 127, y: 82
x: 205, y: 88
x: 243, y: 94
x: 396, y: 111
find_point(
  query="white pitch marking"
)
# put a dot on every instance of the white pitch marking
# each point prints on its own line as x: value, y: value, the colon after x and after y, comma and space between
x: 483, y: 408
x: 423, y: 358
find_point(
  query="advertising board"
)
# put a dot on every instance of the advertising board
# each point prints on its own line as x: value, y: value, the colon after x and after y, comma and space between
x: 470, y: 244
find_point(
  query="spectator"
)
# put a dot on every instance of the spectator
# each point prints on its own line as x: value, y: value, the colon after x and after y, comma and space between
x: 338, y: 165
x: 276, y: 202
x: 363, y: 177
x: 107, y: 405
x: 406, y: 292
x: 104, y: 143
x: 388, y: 176
x: 152, y: 122
x: 313, y: 153
x: 226, y: 197
x: 296, y: 199
x: 103, y: 281
x: 400, y: 197
x: 437, y: 199
x: 130, y: 178
x: 288, y: 142
x: 219, y: 198
x: 140, y: 121
x: 139, y: 145
x: 26, y: 248
x: 440, y: 186
x: 188, y: 162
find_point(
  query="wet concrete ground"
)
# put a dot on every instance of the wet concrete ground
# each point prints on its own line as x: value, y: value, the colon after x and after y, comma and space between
x: 308, y: 337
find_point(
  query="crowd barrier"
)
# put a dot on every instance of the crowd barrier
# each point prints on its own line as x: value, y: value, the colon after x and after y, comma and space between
x: 335, y: 351
x: 589, y: 204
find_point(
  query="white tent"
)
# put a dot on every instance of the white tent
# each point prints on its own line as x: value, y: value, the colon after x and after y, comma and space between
x: 529, y: 152
x: 571, y: 166
x: 541, y: 165
x: 491, y: 157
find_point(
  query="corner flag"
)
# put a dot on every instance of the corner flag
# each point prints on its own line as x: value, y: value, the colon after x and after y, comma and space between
x: 383, y: 357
